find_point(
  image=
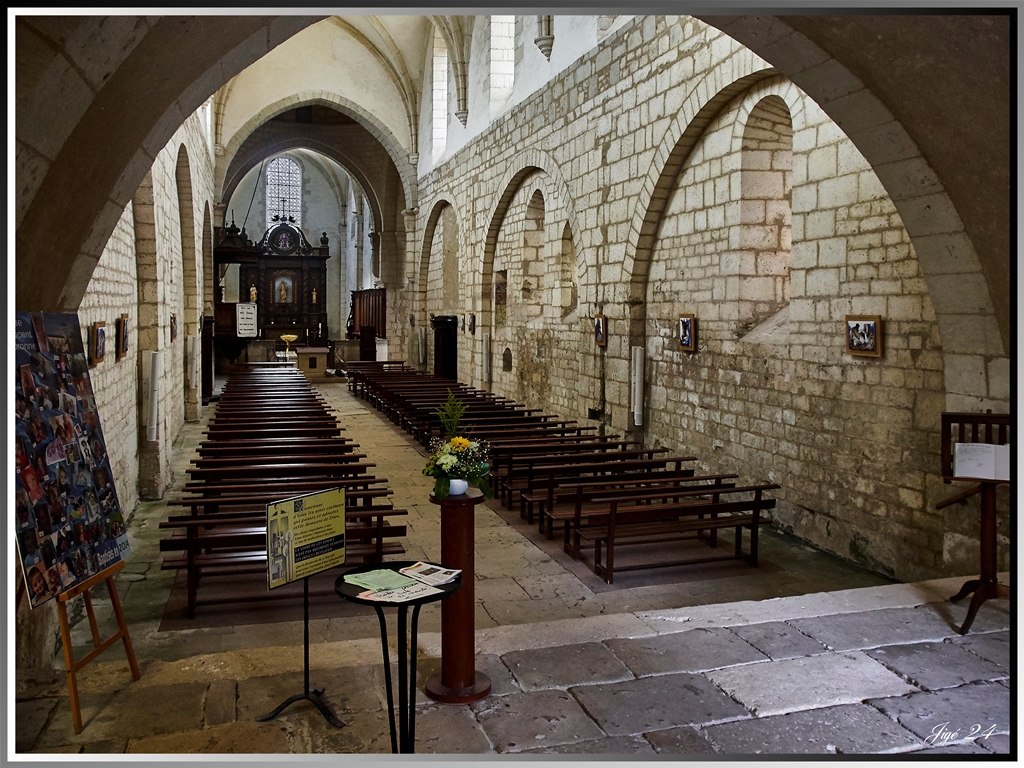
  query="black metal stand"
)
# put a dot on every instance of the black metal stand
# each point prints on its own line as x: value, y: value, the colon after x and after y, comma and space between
x: 405, y: 740
x: 403, y: 737
x: 307, y: 695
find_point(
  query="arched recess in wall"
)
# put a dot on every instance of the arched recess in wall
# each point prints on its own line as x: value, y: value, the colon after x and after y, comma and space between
x: 190, y: 287
x: 531, y: 161
x: 532, y: 258
x: 662, y: 179
x: 766, y: 212
x: 568, y: 287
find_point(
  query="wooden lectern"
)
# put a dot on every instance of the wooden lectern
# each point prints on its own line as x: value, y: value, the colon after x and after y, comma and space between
x: 994, y: 429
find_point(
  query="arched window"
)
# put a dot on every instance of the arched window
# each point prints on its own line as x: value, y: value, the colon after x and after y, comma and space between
x: 503, y: 61
x: 284, y: 190
x: 439, y: 113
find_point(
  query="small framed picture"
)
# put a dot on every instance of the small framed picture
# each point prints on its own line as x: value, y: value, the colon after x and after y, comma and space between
x: 472, y: 323
x: 687, y: 333
x: 122, y: 336
x: 174, y: 327
x: 601, y: 330
x: 463, y: 322
x: 864, y: 335
x: 97, y: 342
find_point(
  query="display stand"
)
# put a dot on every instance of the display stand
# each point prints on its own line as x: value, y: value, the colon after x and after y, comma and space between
x: 459, y: 681
x: 403, y: 740
x: 99, y: 646
x: 306, y: 695
x: 993, y: 428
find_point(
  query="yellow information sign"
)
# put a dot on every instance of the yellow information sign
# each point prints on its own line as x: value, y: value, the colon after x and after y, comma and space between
x: 305, y: 535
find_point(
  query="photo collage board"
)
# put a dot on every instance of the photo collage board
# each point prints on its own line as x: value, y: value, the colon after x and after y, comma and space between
x: 69, y: 524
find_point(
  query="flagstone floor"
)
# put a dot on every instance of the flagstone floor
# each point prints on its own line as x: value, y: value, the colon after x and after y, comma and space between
x: 806, y: 654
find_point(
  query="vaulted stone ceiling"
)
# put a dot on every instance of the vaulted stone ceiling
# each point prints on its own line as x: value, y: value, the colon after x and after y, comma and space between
x: 97, y: 97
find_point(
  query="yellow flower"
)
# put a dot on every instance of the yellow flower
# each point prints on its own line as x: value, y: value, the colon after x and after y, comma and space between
x: 459, y: 443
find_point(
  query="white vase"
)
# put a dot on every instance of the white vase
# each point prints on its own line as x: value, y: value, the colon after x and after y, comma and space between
x: 457, y: 487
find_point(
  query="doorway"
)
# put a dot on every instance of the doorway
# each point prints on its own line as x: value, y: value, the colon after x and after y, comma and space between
x: 446, y: 347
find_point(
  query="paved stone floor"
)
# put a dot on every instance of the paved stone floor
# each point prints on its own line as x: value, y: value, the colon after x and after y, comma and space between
x: 805, y: 655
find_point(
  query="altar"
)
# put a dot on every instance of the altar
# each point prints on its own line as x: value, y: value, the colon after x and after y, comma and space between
x: 281, y: 280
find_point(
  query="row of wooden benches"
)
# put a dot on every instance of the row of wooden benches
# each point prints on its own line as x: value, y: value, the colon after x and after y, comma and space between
x: 272, y: 437
x: 601, y: 490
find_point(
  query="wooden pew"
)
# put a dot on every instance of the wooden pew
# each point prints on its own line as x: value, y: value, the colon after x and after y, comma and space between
x: 632, y: 524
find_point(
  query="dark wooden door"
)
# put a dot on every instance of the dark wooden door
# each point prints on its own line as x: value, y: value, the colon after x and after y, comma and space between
x: 446, y: 347
x: 367, y: 343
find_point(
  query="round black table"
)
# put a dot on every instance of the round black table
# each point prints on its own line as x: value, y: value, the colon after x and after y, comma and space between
x: 404, y: 741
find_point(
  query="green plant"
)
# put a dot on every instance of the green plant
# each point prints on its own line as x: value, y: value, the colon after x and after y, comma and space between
x: 456, y: 457
x: 450, y: 413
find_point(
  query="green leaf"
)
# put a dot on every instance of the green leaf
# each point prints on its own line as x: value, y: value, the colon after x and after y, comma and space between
x: 441, y: 487
x: 484, y: 486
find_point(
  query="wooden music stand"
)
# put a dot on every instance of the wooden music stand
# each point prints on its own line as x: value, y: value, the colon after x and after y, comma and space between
x: 993, y: 428
x: 74, y: 666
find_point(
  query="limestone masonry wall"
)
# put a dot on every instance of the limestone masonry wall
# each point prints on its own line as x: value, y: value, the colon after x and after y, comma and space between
x: 692, y: 179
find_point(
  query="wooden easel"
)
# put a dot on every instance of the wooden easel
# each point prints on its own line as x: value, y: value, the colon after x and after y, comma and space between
x: 73, y: 666
x: 991, y: 428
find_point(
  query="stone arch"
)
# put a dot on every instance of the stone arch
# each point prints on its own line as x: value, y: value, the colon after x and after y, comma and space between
x: 374, y: 127
x: 966, y: 287
x: 559, y: 203
x: 191, y: 308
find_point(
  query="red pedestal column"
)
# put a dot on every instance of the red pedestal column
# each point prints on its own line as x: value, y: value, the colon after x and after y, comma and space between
x: 459, y: 682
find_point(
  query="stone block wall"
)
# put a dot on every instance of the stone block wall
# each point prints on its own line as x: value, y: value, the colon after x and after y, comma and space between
x: 694, y: 180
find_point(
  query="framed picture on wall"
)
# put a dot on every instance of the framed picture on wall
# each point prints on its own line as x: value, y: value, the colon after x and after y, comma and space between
x: 122, y: 337
x: 601, y: 330
x: 687, y: 333
x: 472, y: 323
x: 174, y: 327
x: 864, y: 335
x: 97, y: 342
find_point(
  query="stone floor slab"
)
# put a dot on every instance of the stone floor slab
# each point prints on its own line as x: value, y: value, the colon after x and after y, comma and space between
x: 953, y: 714
x: 656, y: 703
x: 239, y: 738
x: 153, y: 710
x: 847, y: 729
x: 533, y: 719
x: 695, y: 650
x: 444, y: 729
x: 870, y: 629
x: 994, y: 647
x: 778, y: 640
x: 932, y: 666
x: 563, y: 666
x: 613, y: 745
x: 812, y: 682
x: 680, y: 741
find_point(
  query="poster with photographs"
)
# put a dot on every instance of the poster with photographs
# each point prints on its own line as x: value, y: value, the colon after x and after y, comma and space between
x: 68, y: 520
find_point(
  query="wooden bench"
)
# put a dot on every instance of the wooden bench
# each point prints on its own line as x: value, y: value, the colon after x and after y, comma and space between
x: 235, y: 543
x: 631, y: 524
x: 591, y: 502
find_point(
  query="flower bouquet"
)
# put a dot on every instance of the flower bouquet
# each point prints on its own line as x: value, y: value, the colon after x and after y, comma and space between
x: 455, y: 457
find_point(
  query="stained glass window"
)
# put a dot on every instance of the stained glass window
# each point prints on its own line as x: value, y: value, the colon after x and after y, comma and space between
x: 284, y: 190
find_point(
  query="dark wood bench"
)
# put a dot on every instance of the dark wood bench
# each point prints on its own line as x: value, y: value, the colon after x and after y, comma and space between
x: 633, y: 524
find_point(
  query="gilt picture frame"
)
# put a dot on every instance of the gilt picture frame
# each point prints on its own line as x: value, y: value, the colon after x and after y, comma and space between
x: 864, y: 337
x: 97, y: 342
x: 687, y: 333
